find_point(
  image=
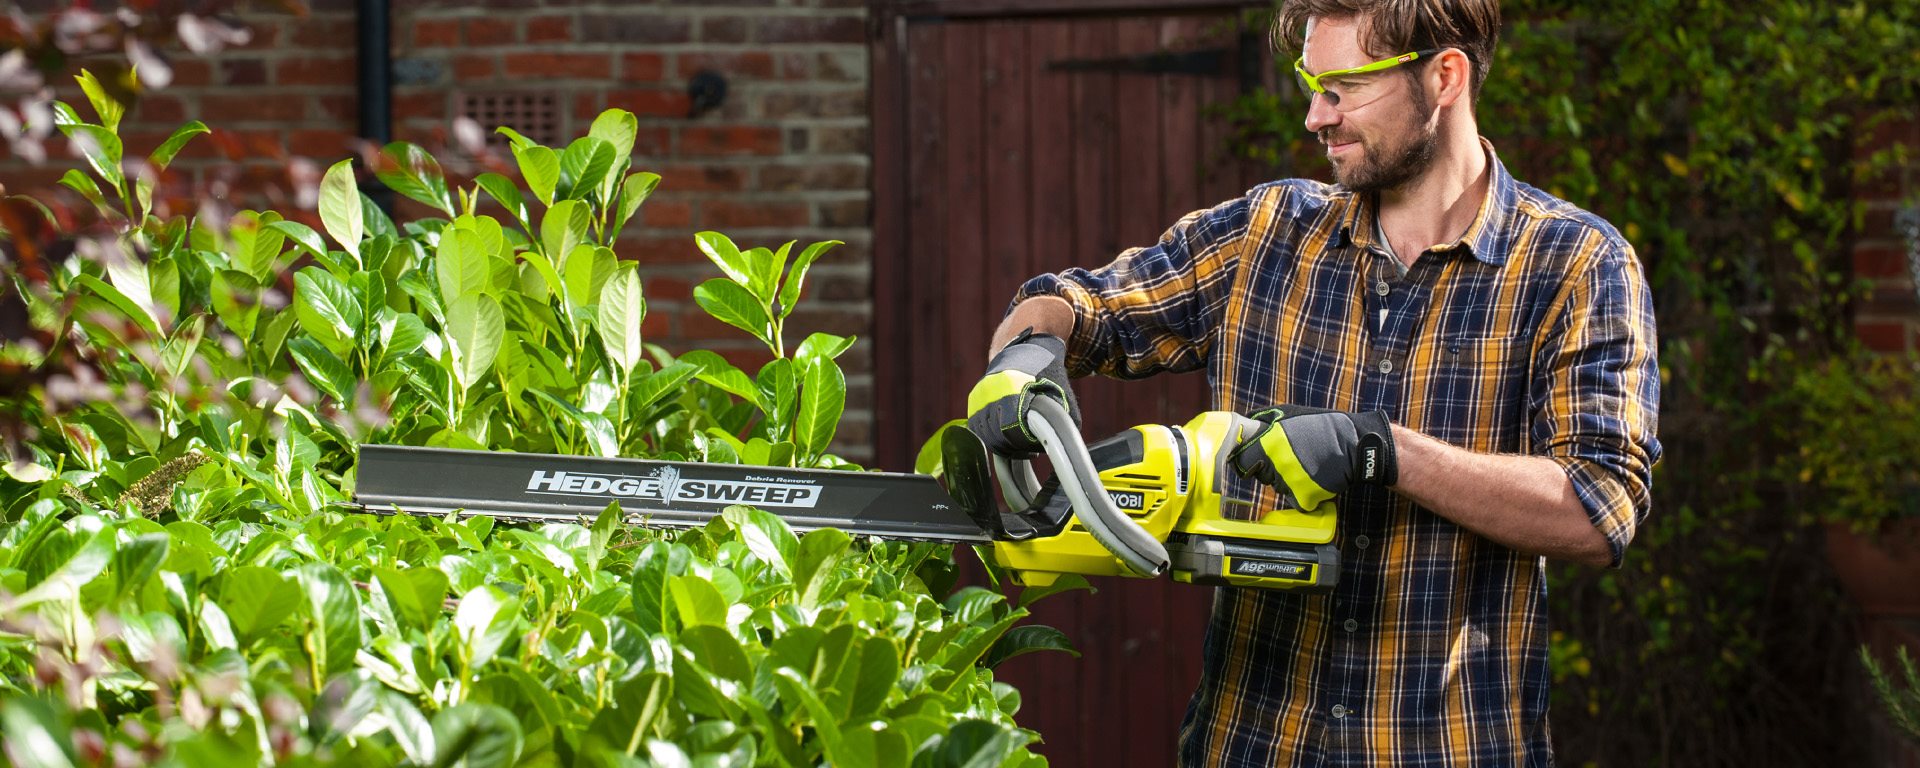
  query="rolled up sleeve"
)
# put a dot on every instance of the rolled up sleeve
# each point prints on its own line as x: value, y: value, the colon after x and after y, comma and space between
x: 1596, y: 394
x: 1156, y: 308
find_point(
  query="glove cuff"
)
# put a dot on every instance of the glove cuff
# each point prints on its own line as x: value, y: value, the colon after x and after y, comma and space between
x: 1374, y: 462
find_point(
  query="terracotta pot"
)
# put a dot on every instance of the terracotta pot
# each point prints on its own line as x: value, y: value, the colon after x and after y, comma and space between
x: 1880, y: 570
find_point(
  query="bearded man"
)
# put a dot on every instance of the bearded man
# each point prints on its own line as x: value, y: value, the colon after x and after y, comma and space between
x: 1463, y: 362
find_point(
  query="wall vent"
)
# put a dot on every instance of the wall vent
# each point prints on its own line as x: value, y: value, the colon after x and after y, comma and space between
x: 534, y: 115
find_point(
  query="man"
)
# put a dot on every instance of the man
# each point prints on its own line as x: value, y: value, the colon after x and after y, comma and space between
x: 1484, y: 354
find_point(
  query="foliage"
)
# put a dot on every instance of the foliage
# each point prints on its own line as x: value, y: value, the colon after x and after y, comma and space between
x: 1859, y: 438
x: 1902, y: 698
x: 1732, y: 143
x: 179, y: 585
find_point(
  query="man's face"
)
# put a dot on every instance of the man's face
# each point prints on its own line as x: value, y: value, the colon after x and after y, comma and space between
x: 1383, y: 139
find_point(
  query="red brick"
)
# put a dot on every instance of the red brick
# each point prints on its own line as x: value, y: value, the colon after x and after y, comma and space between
x: 723, y: 29
x: 160, y: 109
x: 216, y: 109
x: 643, y: 67
x: 796, y: 66
x: 550, y: 29
x: 729, y: 140
x: 340, y: 108
x: 652, y: 141
x: 473, y: 67
x: 321, y: 33
x: 677, y: 249
x: 431, y: 104
x: 262, y: 36
x: 489, y: 31
x: 650, y: 102
x: 586, y: 105
x: 590, y: 65
x: 843, y: 213
x: 243, y: 72
x: 749, y: 64
x: 320, y: 144
x: 813, y: 176
x: 813, y: 319
x: 666, y: 289
x: 701, y: 178
x: 748, y: 356
x: 1883, y: 336
x: 810, y: 29
x: 340, y: 71
x: 436, y: 33
x: 667, y: 214
x: 189, y: 73
x: 731, y: 214
x: 1879, y: 261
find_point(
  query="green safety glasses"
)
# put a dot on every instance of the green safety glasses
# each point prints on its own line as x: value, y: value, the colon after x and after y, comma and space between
x: 1343, y: 93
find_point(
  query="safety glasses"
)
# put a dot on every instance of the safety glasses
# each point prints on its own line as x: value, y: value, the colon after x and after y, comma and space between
x: 1343, y: 90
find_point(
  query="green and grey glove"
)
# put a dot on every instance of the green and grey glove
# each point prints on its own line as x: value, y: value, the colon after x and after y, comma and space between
x: 1312, y: 455
x: 1032, y: 365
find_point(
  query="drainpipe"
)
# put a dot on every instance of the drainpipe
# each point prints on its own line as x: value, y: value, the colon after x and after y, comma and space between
x: 376, y: 87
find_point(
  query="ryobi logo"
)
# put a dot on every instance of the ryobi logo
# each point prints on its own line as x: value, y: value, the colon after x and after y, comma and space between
x: 666, y: 485
x: 1129, y: 500
x: 1269, y: 568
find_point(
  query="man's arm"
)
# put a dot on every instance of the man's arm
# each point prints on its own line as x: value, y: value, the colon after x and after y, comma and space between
x: 1526, y: 503
x: 1044, y: 314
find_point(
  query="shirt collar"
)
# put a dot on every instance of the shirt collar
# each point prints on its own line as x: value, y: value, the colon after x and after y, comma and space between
x: 1484, y: 238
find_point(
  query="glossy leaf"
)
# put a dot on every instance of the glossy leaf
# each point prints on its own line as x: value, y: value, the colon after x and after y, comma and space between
x: 503, y: 191
x: 412, y: 172
x: 163, y: 155
x: 258, y: 599
x: 583, y: 166
x: 333, y: 634
x: 797, y: 274
x: 476, y: 736
x: 340, y: 207
x: 730, y: 303
x: 622, y: 309
x: 725, y: 255
x: 823, y: 398
x: 540, y: 166
x: 475, y: 330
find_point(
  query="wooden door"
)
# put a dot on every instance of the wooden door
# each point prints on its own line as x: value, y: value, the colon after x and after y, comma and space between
x: 1011, y: 145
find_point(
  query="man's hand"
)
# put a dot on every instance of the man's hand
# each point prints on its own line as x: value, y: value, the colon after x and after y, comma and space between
x: 1313, y: 455
x: 1032, y: 365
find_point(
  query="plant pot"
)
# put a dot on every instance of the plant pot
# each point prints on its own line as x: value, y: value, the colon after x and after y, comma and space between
x: 1880, y: 570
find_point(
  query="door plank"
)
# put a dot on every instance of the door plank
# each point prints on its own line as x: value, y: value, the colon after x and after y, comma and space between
x: 924, y: 242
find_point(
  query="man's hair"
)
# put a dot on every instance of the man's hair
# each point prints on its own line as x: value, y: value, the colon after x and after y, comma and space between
x: 1393, y: 27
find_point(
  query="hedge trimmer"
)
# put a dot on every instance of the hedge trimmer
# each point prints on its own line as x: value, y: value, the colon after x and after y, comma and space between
x: 1142, y: 503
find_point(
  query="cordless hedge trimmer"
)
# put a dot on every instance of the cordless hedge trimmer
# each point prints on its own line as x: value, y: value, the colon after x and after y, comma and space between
x: 1142, y: 503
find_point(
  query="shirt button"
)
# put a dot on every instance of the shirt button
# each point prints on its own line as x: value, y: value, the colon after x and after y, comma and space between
x: 1340, y: 711
x: 1386, y: 366
x: 1381, y: 288
x: 1351, y: 625
x: 1362, y: 542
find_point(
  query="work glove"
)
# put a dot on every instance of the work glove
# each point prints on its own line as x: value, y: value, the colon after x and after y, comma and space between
x: 1312, y: 455
x: 1032, y: 365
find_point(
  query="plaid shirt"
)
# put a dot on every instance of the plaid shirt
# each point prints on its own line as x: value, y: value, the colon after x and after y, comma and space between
x: 1533, y: 334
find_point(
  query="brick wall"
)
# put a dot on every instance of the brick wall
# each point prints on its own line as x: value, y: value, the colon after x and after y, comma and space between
x: 784, y: 157
x: 1889, y: 318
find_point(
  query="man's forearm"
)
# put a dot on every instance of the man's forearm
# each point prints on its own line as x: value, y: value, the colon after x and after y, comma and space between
x: 1523, y: 502
x: 1044, y: 314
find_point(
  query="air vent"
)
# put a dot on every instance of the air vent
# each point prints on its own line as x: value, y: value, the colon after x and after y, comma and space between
x: 535, y: 115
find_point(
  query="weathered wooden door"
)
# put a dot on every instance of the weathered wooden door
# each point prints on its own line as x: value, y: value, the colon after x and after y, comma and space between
x: 1013, y: 139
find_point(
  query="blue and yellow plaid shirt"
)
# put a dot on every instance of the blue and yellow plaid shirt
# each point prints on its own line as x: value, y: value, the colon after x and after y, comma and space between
x: 1533, y: 334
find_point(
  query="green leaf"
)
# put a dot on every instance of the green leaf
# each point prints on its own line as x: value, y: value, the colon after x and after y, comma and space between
x: 597, y: 429
x: 469, y: 735
x: 411, y: 171
x: 819, y: 554
x: 1066, y: 583
x: 587, y: 270
x: 79, y: 182
x: 416, y: 595
x: 980, y: 744
x: 333, y: 637
x: 652, y: 606
x: 540, y: 166
x: 257, y: 599
x: 696, y: 601
x: 767, y: 266
x: 1027, y: 639
x: 637, y: 704
x: 797, y: 274
x: 655, y: 387
x: 102, y: 152
x: 81, y: 565
x: 563, y: 228
x: 715, y: 370
x: 461, y: 264
x: 931, y: 459
x: 340, y: 207
x: 622, y: 309
x: 823, y: 397
x: 550, y: 277
x: 109, y: 109
x: 136, y: 561
x: 163, y: 155
x: 878, y: 677
x: 767, y: 536
x: 36, y: 737
x: 484, y: 621
x: 634, y: 191
x: 725, y: 255
x: 304, y: 237
x: 731, y: 303
x: 140, y: 315
x: 959, y: 658
x: 718, y: 651
x: 797, y: 689
x: 822, y: 346
x: 514, y: 138
x: 584, y: 165
x: 256, y: 246
x: 605, y: 525
x: 779, y: 386
x: 503, y: 191
x: 327, y: 309
x: 475, y: 330
x: 616, y: 127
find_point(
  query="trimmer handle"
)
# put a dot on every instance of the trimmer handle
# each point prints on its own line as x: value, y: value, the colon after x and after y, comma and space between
x: 1073, y: 467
